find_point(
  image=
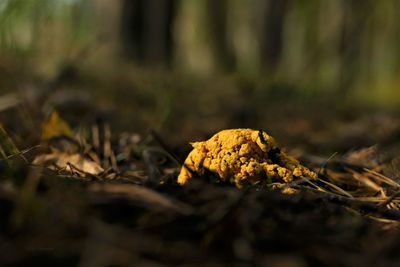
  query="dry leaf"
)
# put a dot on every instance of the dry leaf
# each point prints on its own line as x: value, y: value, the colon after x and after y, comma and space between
x: 70, y: 162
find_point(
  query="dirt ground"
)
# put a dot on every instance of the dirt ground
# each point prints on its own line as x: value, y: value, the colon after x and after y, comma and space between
x: 133, y: 213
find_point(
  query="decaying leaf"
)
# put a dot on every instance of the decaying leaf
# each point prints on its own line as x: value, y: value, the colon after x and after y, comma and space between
x: 64, y: 153
x: 69, y: 162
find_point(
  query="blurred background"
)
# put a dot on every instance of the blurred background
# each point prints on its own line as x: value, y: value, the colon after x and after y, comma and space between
x: 189, y: 67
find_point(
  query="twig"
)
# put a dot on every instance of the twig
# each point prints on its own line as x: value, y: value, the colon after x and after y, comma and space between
x: 390, y: 199
x: 365, y: 207
x: 323, y: 167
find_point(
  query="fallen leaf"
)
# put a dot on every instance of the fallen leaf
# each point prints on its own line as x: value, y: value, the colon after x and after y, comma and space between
x: 55, y: 126
x: 70, y: 162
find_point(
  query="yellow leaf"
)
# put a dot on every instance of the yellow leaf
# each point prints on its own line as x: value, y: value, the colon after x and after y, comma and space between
x: 55, y: 126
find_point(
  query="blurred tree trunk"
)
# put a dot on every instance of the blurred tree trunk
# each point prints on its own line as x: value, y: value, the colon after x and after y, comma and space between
x: 355, y: 22
x: 146, y: 29
x: 217, y: 27
x: 271, y: 39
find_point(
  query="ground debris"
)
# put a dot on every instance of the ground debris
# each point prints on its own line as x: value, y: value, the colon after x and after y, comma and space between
x: 130, y: 210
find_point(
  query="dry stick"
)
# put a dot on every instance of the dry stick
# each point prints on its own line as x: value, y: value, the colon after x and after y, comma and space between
x: 95, y: 137
x: 21, y: 154
x: 113, y: 160
x: 109, y: 153
x: 367, y: 208
x: 365, y: 180
x: 318, y: 188
x: 362, y: 206
x: 390, y: 199
x: 96, y: 144
x: 323, y: 167
x: 372, y: 199
x: 384, y: 179
x: 107, y: 145
x: 337, y: 188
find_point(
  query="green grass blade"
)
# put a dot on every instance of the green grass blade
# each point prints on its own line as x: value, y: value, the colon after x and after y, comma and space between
x: 7, y: 146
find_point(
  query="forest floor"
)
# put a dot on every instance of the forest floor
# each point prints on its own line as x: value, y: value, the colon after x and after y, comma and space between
x: 94, y: 183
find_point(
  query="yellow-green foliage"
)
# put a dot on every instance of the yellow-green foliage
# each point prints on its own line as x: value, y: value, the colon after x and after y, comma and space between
x: 7, y: 146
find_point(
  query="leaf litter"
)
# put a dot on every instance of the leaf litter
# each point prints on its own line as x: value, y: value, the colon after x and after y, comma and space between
x: 117, y: 196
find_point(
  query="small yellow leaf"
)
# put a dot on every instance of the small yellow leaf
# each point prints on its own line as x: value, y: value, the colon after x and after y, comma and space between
x: 55, y: 126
